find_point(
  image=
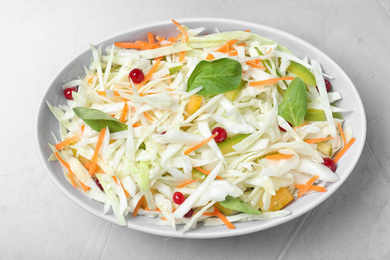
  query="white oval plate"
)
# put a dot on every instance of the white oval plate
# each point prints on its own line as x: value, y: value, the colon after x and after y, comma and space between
x: 46, y: 123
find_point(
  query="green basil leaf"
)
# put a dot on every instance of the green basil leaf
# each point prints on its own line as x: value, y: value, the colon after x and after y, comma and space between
x: 216, y: 77
x: 294, y: 104
x: 238, y: 205
x: 97, y: 119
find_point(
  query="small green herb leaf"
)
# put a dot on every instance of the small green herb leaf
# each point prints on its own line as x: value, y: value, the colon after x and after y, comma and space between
x: 97, y: 119
x: 216, y: 77
x: 238, y: 205
x: 294, y: 104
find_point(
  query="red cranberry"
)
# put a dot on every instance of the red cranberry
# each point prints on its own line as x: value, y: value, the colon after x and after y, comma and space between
x: 136, y: 75
x: 68, y: 93
x: 328, y: 162
x: 328, y: 86
x: 99, y: 184
x: 189, y: 213
x: 284, y: 130
x: 178, y: 198
x: 222, y: 134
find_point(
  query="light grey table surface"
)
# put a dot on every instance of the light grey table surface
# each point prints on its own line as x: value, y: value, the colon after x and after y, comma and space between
x: 38, y: 222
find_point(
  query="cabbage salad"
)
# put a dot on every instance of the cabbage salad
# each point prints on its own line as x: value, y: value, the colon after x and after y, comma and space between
x: 199, y: 129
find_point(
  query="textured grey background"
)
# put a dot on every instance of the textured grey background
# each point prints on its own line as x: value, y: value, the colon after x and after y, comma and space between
x: 38, y: 222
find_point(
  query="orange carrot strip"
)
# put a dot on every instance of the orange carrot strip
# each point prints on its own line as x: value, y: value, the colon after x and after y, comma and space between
x: 223, y: 218
x: 225, y: 48
x: 124, y: 112
x: 181, y: 29
x: 210, y: 56
x: 130, y: 45
x: 295, y: 128
x: 268, y: 81
x: 318, y: 140
x: 67, y: 142
x: 135, y: 213
x: 311, y: 187
x: 186, y: 183
x: 210, y: 214
x: 66, y: 165
x: 149, y: 117
x: 233, y: 53
x: 181, y: 56
x: 257, y: 66
x: 116, y: 180
x: 82, y: 129
x: 148, y: 209
x: 136, y: 124
x: 270, y: 49
x: 96, y: 152
x: 149, y: 74
x: 174, y: 39
x: 205, y: 141
x: 279, y: 156
x: 206, y: 172
x: 342, y: 151
x: 150, y: 38
x: 341, y: 133
x: 306, y: 186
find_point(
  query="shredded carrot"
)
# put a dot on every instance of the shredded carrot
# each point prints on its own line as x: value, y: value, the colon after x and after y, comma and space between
x: 299, y: 126
x: 181, y: 29
x: 124, y: 112
x: 181, y: 56
x: 279, y: 156
x: 270, y: 49
x: 150, y: 38
x: 268, y: 81
x: 233, y: 53
x: 149, y: 74
x: 82, y: 129
x: 225, y: 48
x: 206, y: 172
x: 66, y: 165
x: 306, y: 186
x: 118, y: 182
x: 342, y: 151
x: 135, y: 213
x: 209, y: 214
x: 311, y: 187
x: 148, y: 209
x: 255, y: 64
x: 66, y: 142
x: 223, y: 218
x: 210, y: 56
x: 174, y: 39
x: 96, y: 152
x: 186, y: 183
x: 149, y: 117
x: 205, y: 141
x: 136, y: 124
x: 130, y: 45
x: 103, y: 93
x: 341, y: 133
x: 318, y: 140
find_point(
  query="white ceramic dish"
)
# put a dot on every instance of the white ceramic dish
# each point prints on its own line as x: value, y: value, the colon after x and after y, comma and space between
x: 46, y: 123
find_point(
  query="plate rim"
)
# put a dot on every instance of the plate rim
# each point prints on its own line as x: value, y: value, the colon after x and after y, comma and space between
x: 151, y: 229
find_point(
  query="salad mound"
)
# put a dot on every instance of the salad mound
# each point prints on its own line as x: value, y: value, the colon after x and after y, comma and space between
x: 200, y: 128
